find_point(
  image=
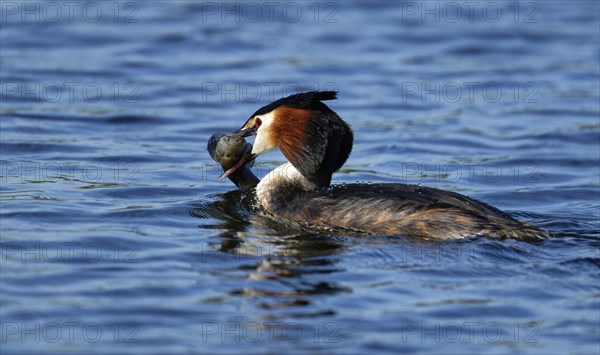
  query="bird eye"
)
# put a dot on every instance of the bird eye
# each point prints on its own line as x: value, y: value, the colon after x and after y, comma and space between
x: 257, y: 122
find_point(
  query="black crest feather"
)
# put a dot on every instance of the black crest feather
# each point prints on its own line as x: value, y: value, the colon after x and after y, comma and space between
x: 302, y: 100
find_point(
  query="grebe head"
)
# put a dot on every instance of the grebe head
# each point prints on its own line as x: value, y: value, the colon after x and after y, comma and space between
x: 314, y: 139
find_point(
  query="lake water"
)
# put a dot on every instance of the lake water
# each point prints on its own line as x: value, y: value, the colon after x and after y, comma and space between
x: 117, y: 237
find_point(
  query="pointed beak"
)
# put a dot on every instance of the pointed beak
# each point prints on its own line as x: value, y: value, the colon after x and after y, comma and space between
x: 247, y: 132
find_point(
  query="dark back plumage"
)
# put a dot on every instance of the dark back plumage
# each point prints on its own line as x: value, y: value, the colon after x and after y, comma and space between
x: 399, y: 210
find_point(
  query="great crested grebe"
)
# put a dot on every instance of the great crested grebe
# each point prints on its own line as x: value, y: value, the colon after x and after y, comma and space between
x: 317, y: 142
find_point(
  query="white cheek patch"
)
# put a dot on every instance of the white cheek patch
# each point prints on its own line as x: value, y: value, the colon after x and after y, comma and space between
x: 264, y: 141
x: 262, y: 144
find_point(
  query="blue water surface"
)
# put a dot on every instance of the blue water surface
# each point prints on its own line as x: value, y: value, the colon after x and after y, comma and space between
x: 117, y: 237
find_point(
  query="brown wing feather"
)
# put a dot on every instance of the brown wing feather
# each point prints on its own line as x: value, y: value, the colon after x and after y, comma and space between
x: 401, y: 210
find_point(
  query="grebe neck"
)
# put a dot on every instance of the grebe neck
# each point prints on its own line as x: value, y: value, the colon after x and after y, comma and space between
x: 281, y: 184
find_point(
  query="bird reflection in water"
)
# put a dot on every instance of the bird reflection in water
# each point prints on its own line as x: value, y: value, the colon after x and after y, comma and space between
x: 278, y: 257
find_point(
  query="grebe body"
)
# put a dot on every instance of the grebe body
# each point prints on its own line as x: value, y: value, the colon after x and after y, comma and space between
x: 317, y: 142
x: 384, y: 209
